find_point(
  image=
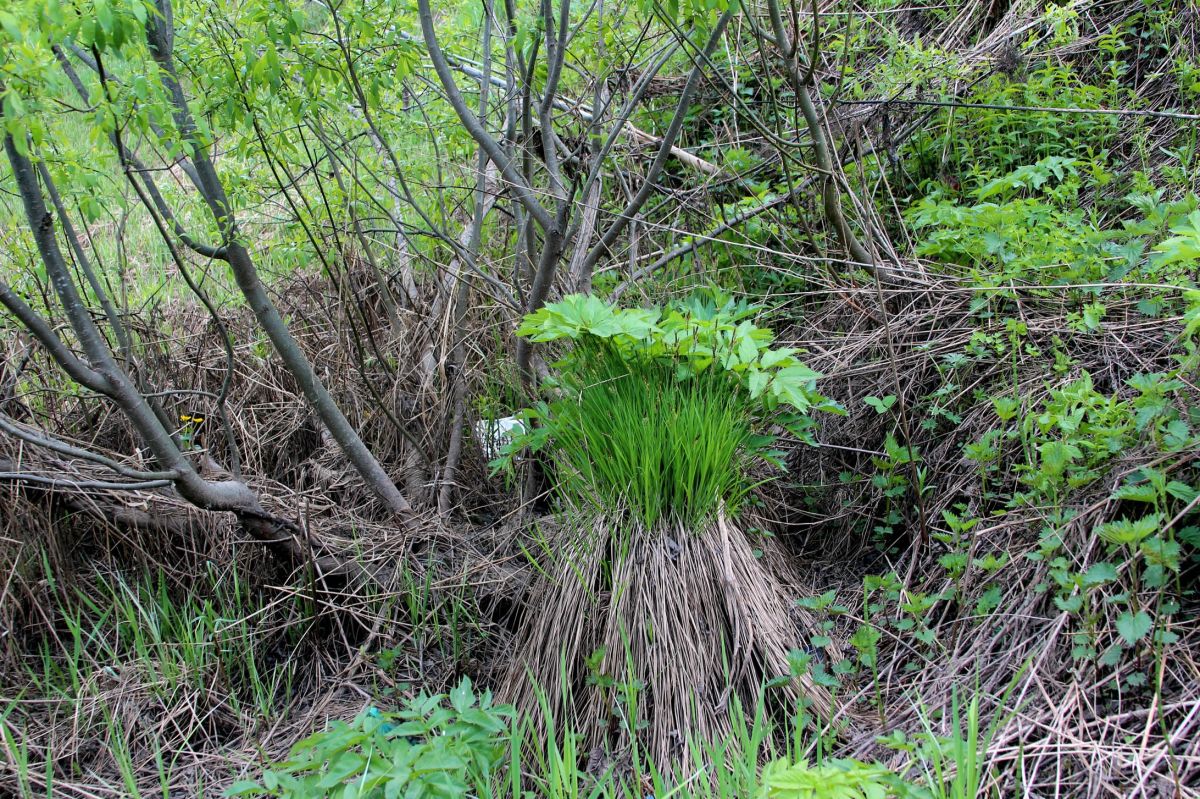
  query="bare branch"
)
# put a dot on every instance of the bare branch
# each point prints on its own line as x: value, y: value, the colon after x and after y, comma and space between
x: 485, y: 140
x: 609, y: 237
x: 160, y: 39
x: 82, y: 485
x: 45, y: 441
x: 78, y: 371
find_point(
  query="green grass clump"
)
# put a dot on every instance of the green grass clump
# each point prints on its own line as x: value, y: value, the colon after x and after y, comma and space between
x: 659, y: 413
x: 632, y: 434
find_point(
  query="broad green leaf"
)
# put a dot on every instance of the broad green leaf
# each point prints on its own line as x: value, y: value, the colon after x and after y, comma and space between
x: 461, y: 696
x: 1124, y: 532
x: 756, y: 381
x: 340, y: 768
x: 1099, y: 574
x: 1133, y: 627
x: 881, y: 404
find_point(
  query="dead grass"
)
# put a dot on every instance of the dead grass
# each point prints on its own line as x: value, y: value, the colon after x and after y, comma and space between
x: 1069, y: 728
x: 663, y: 627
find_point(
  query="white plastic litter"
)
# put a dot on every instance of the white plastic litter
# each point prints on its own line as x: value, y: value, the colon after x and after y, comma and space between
x: 495, y: 434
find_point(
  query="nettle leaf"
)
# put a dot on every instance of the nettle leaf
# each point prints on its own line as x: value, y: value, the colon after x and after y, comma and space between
x: 1099, y: 574
x: 1006, y: 407
x: 1133, y: 627
x: 1177, y: 435
x: 1182, y: 247
x: 1182, y: 491
x: 1058, y: 455
x: 1137, y: 492
x: 1129, y: 255
x: 1124, y: 532
x: 1161, y: 552
x: 1191, y: 317
x: 1070, y: 604
x: 1030, y: 176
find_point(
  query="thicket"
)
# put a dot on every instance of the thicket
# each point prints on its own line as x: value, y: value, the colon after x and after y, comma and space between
x: 632, y: 399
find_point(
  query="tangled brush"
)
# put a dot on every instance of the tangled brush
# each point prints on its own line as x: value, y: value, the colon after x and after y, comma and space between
x: 655, y: 608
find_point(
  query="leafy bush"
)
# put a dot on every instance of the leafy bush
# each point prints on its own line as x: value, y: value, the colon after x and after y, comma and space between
x: 1025, y: 227
x: 437, y: 746
x: 972, y: 148
x: 662, y: 412
x: 1028, y: 239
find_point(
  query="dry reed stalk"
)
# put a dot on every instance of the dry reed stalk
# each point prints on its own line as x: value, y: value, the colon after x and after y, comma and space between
x: 670, y: 624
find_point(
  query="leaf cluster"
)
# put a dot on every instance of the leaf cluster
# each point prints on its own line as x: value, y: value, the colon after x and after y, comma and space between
x: 437, y: 746
x: 831, y: 779
x: 694, y: 337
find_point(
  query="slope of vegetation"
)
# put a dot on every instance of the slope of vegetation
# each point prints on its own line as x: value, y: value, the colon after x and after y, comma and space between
x: 622, y: 399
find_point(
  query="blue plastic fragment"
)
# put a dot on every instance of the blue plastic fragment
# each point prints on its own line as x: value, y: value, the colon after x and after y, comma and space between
x: 387, y: 726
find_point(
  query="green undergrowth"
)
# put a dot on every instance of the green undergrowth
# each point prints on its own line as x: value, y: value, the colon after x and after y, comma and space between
x: 194, y: 643
x: 663, y: 412
x: 195, y: 654
x: 118, y: 648
x: 635, y: 436
x: 155, y: 673
x: 463, y: 744
x: 1025, y: 228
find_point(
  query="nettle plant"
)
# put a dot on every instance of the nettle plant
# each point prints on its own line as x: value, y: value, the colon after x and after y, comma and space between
x: 1067, y: 442
x: 965, y: 151
x: 662, y: 412
x: 1023, y: 226
x: 1139, y: 574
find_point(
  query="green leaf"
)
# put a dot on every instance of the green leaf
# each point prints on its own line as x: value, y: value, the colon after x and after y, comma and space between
x: 340, y: 768
x: 780, y: 357
x: 1183, y: 247
x: 1124, y: 532
x: 756, y: 381
x: 1099, y: 574
x: 8, y: 23
x: 1182, y: 491
x: 439, y: 759
x: 1070, y: 604
x: 1138, y: 492
x: 881, y: 405
x: 1057, y: 455
x: 747, y: 350
x: 1133, y: 627
x: 1006, y: 407
x: 461, y: 696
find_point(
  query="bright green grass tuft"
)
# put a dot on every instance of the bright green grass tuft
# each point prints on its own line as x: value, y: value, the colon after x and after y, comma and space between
x: 631, y: 433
